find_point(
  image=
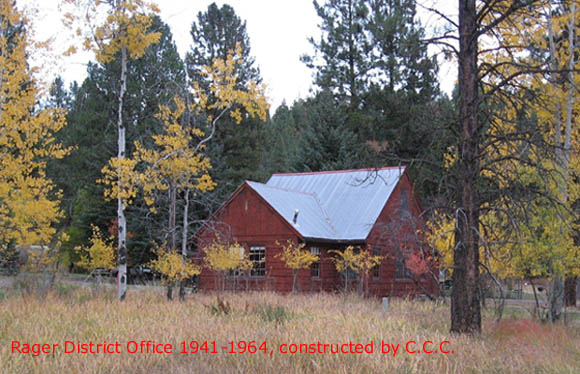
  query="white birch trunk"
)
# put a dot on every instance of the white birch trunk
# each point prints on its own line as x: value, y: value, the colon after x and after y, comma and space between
x: 121, y: 220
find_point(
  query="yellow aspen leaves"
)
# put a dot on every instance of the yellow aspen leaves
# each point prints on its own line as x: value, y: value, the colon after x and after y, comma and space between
x: 228, y: 96
x: 359, y: 261
x: 173, y: 266
x: 126, y: 24
x: 223, y: 256
x: 174, y: 161
x: 99, y: 255
x: 29, y: 204
x: 295, y: 257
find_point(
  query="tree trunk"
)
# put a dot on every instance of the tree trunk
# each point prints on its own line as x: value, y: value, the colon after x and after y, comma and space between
x: 556, y: 288
x: 537, y: 308
x: 570, y: 282
x: 121, y: 221
x: 181, y: 291
x: 570, y: 291
x: 465, y: 297
x: 184, y: 232
x: 172, y: 231
x: 555, y: 298
x: 172, y: 215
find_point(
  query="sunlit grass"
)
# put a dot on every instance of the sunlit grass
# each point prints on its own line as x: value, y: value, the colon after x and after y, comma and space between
x: 513, y: 346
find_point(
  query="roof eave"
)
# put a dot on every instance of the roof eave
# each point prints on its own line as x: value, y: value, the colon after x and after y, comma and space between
x: 335, y: 241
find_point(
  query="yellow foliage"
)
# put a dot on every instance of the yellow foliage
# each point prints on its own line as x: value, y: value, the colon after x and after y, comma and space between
x: 538, y: 248
x: 223, y: 256
x: 173, y: 266
x: 174, y: 162
x: 441, y: 236
x: 538, y: 240
x: 126, y: 24
x: 120, y: 176
x: 100, y: 254
x: 40, y: 261
x: 228, y: 96
x: 28, y: 203
x: 45, y: 258
x: 295, y: 257
x: 357, y: 260
x: 365, y: 262
x: 177, y: 160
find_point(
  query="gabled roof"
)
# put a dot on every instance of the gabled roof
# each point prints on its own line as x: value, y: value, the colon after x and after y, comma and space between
x: 334, y: 205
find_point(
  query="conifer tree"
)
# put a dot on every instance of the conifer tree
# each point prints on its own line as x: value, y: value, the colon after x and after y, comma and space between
x: 236, y: 150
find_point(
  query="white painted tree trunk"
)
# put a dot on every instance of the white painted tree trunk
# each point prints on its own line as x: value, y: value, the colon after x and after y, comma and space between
x: 121, y: 220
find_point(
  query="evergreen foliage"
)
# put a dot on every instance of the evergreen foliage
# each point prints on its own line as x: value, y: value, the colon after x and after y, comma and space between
x: 236, y: 150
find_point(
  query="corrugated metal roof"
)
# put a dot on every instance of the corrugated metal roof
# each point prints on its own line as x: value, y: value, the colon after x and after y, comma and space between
x: 335, y: 205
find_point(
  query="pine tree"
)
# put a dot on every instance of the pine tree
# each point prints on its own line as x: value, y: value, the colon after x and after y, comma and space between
x: 326, y: 143
x: 283, y: 135
x: 236, y: 150
x: 372, y: 58
x: 342, y: 63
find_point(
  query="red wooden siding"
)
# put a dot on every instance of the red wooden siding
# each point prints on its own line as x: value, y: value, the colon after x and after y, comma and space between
x: 253, y: 222
x: 390, y: 231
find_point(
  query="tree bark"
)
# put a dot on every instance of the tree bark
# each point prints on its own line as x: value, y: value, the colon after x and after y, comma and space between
x: 570, y: 282
x: 172, y: 215
x: 465, y: 298
x: 172, y: 230
x: 570, y: 291
x: 184, y: 233
x: 556, y: 288
x: 121, y: 220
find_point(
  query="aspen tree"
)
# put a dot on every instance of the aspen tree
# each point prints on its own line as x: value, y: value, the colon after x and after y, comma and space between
x: 296, y: 258
x: 123, y: 32
x: 29, y: 205
x: 176, y: 162
x: 357, y: 260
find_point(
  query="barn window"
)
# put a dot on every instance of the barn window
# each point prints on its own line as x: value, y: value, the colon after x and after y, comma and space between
x: 258, y: 258
x: 405, y: 204
x: 377, y: 268
x: 401, y: 271
x: 315, y: 267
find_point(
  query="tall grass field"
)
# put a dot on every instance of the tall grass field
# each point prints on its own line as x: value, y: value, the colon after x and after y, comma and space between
x: 80, y: 330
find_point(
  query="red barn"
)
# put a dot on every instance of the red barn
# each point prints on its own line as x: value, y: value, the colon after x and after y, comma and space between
x: 375, y: 209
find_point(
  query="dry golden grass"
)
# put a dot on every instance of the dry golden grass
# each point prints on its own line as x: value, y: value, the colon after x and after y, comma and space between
x: 513, y: 346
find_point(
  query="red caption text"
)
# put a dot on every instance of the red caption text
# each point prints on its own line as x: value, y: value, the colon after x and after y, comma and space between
x: 193, y: 347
